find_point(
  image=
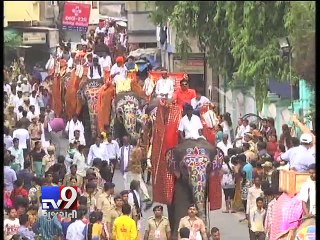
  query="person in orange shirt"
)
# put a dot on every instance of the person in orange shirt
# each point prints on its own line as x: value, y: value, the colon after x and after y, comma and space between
x: 184, y: 94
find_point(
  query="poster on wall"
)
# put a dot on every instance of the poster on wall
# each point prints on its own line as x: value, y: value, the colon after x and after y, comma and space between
x: 76, y: 16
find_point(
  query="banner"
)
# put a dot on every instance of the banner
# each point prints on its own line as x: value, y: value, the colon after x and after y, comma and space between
x: 76, y: 16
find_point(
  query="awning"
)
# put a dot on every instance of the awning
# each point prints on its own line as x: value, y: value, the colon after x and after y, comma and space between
x: 24, y: 46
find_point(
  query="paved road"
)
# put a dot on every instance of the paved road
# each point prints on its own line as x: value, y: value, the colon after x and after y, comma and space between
x: 228, y: 223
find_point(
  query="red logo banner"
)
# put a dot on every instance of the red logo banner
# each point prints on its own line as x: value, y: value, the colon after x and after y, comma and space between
x: 76, y: 16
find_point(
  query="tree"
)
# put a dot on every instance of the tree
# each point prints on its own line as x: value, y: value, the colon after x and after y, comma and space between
x: 240, y: 38
x: 300, y: 22
x: 12, y: 40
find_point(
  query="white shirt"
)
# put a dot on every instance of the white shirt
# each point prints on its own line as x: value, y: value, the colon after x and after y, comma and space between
x: 98, y: 30
x: 81, y: 139
x: 253, y: 194
x: 105, y: 62
x: 308, y: 192
x: 7, y: 89
x: 210, y: 119
x: 26, y: 88
x: 10, y: 227
x: 34, y: 101
x: 18, y: 153
x: 75, y: 230
x: 7, y: 140
x: 125, y: 155
x: 224, y: 147
x: 190, y: 127
x: 199, y: 103
x: 122, y: 70
x: 84, y: 42
x: 227, y: 180
x: 165, y: 86
x: 257, y: 219
x: 110, y: 30
x: 97, y: 152
x: 113, y: 149
x: 299, y: 158
x: 23, y: 136
x: 80, y: 160
x: 70, y: 63
x: 95, y: 73
x: 131, y: 199
x: 19, y: 115
x: 72, y: 126
x: 30, y: 115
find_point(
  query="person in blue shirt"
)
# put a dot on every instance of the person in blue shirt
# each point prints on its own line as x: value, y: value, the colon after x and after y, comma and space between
x: 300, y: 158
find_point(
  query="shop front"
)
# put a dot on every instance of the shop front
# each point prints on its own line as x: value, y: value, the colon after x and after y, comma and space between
x: 194, y: 66
x: 37, y: 44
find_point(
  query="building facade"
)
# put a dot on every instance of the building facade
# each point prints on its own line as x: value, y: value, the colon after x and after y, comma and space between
x: 141, y: 30
x: 35, y: 22
x: 202, y: 76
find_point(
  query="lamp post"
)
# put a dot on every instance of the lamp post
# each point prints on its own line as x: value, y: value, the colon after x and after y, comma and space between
x: 286, y: 54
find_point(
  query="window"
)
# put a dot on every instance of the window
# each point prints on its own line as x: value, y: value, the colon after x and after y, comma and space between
x: 94, y: 4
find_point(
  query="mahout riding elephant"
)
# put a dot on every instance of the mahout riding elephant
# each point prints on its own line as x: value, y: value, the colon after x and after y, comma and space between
x: 192, y: 162
x: 127, y: 115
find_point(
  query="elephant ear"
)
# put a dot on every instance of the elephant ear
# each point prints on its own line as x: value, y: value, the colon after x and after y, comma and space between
x: 170, y: 159
x: 218, y: 160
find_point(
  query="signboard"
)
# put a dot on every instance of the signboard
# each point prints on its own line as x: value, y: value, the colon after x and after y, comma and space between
x: 191, y: 66
x: 53, y: 38
x: 34, y: 38
x: 76, y: 16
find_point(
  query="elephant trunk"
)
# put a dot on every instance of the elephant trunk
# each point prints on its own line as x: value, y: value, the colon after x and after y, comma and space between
x: 200, y: 199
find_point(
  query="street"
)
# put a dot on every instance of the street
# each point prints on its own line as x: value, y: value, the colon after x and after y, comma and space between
x: 228, y: 223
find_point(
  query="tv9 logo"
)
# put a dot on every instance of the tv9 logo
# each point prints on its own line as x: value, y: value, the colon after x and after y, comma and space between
x: 59, y: 198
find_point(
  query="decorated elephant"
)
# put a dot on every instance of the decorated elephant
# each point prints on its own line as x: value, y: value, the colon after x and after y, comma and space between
x: 192, y: 162
x: 127, y: 115
x: 90, y: 93
x: 181, y: 171
x: 306, y: 230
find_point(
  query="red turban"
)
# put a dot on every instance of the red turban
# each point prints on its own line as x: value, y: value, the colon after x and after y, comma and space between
x: 120, y: 59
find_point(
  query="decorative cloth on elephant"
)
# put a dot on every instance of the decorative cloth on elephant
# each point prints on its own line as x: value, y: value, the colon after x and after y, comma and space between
x: 122, y: 83
x: 56, y: 95
x: 104, y: 102
x: 165, y: 138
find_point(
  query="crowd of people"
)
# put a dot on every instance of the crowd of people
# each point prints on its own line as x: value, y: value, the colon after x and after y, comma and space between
x: 34, y: 158
x: 250, y: 173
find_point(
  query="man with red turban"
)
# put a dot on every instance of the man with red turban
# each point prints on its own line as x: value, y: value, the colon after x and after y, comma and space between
x: 119, y: 68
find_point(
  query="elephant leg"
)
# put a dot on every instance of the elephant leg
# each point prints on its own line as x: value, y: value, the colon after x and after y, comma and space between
x: 181, y: 201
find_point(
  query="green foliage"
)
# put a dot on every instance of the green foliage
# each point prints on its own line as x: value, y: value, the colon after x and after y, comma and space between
x: 300, y: 22
x: 239, y: 37
x: 11, y: 40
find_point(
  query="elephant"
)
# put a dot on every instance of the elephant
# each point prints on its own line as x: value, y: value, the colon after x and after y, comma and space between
x: 127, y: 115
x: 306, y: 230
x: 89, y: 93
x: 192, y: 163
